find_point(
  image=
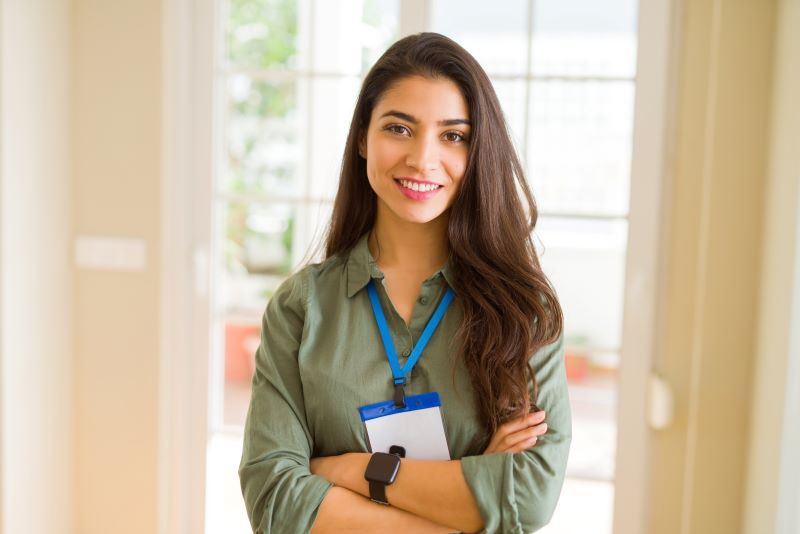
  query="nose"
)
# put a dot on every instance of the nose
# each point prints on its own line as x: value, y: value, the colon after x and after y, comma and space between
x: 424, y: 154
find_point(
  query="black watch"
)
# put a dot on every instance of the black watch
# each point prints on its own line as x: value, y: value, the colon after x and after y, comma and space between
x: 381, y: 471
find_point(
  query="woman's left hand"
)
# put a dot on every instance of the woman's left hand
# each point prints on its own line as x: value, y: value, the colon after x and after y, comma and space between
x: 519, y: 434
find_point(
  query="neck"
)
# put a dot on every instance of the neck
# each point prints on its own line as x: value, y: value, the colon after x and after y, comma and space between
x: 394, y: 242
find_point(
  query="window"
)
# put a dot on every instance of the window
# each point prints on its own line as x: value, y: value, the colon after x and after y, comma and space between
x: 288, y: 73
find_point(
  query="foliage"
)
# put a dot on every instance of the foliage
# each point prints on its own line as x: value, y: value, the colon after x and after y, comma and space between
x: 262, y: 34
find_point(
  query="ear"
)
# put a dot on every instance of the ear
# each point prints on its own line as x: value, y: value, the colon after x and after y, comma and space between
x: 362, y: 148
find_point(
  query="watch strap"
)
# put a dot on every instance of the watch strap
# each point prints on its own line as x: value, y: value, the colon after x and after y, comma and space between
x: 377, y: 492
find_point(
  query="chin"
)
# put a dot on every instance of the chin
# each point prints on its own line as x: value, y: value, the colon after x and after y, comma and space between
x: 419, y: 216
x: 424, y: 220
x: 415, y: 214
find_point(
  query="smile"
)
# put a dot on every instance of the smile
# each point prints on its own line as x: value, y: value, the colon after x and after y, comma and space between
x: 417, y: 191
x: 416, y: 186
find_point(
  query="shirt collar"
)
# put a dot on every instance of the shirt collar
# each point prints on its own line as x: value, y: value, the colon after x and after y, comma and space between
x: 361, y: 268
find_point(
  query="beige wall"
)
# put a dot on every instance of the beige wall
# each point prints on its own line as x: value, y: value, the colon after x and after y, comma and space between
x: 769, y: 445
x: 116, y: 132
x: 714, y: 250
x: 35, y: 314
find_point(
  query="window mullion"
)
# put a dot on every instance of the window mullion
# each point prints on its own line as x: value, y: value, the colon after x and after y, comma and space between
x: 414, y: 17
x: 528, y: 82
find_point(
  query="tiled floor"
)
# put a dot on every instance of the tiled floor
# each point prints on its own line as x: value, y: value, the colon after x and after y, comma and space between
x: 588, y: 490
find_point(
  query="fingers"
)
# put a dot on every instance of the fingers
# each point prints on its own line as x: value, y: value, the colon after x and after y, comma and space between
x: 523, y: 439
x: 518, y: 424
x: 525, y: 445
x: 501, y: 439
x: 503, y: 430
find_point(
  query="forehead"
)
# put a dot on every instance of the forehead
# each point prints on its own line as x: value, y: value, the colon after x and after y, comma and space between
x: 425, y: 98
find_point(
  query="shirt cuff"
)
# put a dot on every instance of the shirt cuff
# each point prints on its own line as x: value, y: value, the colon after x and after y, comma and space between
x: 490, y: 477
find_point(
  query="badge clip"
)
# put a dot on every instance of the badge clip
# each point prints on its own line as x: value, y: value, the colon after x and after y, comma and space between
x: 400, y: 393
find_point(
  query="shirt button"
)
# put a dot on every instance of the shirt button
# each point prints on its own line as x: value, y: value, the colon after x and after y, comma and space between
x: 423, y: 300
x: 406, y: 353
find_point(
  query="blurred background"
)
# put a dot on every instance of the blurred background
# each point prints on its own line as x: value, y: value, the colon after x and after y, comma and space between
x: 166, y: 164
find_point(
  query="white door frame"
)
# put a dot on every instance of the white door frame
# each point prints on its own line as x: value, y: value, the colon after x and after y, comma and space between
x: 648, y: 224
x: 787, y: 514
x: 2, y: 268
x: 188, y: 162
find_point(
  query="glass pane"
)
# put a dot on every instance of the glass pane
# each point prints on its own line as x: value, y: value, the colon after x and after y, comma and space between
x: 241, y: 338
x: 336, y: 36
x: 379, y: 29
x: 511, y: 94
x: 579, y: 150
x: 496, y: 33
x: 584, y: 38
x: 264, y: 245
x: 585, y: 260
x: 332, y: 110
x: 261, y: 245
x: 310, y: 230
x: 593, y: 400
x: 256, y: 255
x: 347, y: 36
x: 262, y: 34
x: 264, y: 137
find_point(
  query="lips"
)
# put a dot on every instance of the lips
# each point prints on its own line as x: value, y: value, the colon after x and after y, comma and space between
x: 417, y: 195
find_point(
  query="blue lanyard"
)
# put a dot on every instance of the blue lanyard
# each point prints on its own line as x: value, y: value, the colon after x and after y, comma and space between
x: 399, y: 373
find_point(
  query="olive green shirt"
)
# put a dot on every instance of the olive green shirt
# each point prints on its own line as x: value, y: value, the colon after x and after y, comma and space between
x: 321, y: 358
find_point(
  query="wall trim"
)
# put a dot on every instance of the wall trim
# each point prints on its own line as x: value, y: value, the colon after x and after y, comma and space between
x: 648, y: 236
x: 772, y: 501
x: 787, y: 51
x: 183, y: 386
x: 788, y: 514
x: 2, y: 279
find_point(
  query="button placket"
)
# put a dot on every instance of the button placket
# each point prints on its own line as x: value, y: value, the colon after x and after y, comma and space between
x: 403, y: 358
x: 424, y: 292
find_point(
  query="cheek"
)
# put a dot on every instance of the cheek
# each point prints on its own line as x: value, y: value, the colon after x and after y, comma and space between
x: 456, y: 167
x: 385, y: 155
x: 381, y: 158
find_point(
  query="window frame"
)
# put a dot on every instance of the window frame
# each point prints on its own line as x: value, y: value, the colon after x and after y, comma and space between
x: 190, y: 157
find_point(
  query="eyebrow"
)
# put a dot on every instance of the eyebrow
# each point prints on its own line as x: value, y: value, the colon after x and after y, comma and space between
x: 413, y: 120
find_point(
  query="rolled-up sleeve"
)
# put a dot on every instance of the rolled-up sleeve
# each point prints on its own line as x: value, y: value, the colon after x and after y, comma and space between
x: 280, y: 493
x: 517, y: 492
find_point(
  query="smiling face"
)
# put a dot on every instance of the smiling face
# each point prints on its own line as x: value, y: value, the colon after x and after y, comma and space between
x: 416, y: 148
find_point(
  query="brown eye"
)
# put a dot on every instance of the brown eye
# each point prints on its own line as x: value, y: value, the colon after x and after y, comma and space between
x: 397, y: 129
x: 454, y: 137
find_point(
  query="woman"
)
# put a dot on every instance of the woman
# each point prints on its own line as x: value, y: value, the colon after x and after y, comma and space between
x: 427, y: 214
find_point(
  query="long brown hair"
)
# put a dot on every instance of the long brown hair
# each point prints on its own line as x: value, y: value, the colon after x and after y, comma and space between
x: 510, y: 308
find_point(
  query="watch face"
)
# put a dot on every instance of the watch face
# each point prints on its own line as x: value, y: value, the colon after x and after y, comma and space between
x: 382, y: 468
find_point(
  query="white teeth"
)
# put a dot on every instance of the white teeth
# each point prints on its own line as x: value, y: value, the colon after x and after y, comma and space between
x: 418, y: 187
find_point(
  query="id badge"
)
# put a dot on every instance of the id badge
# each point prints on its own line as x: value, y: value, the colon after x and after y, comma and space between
x: 418, y: 427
